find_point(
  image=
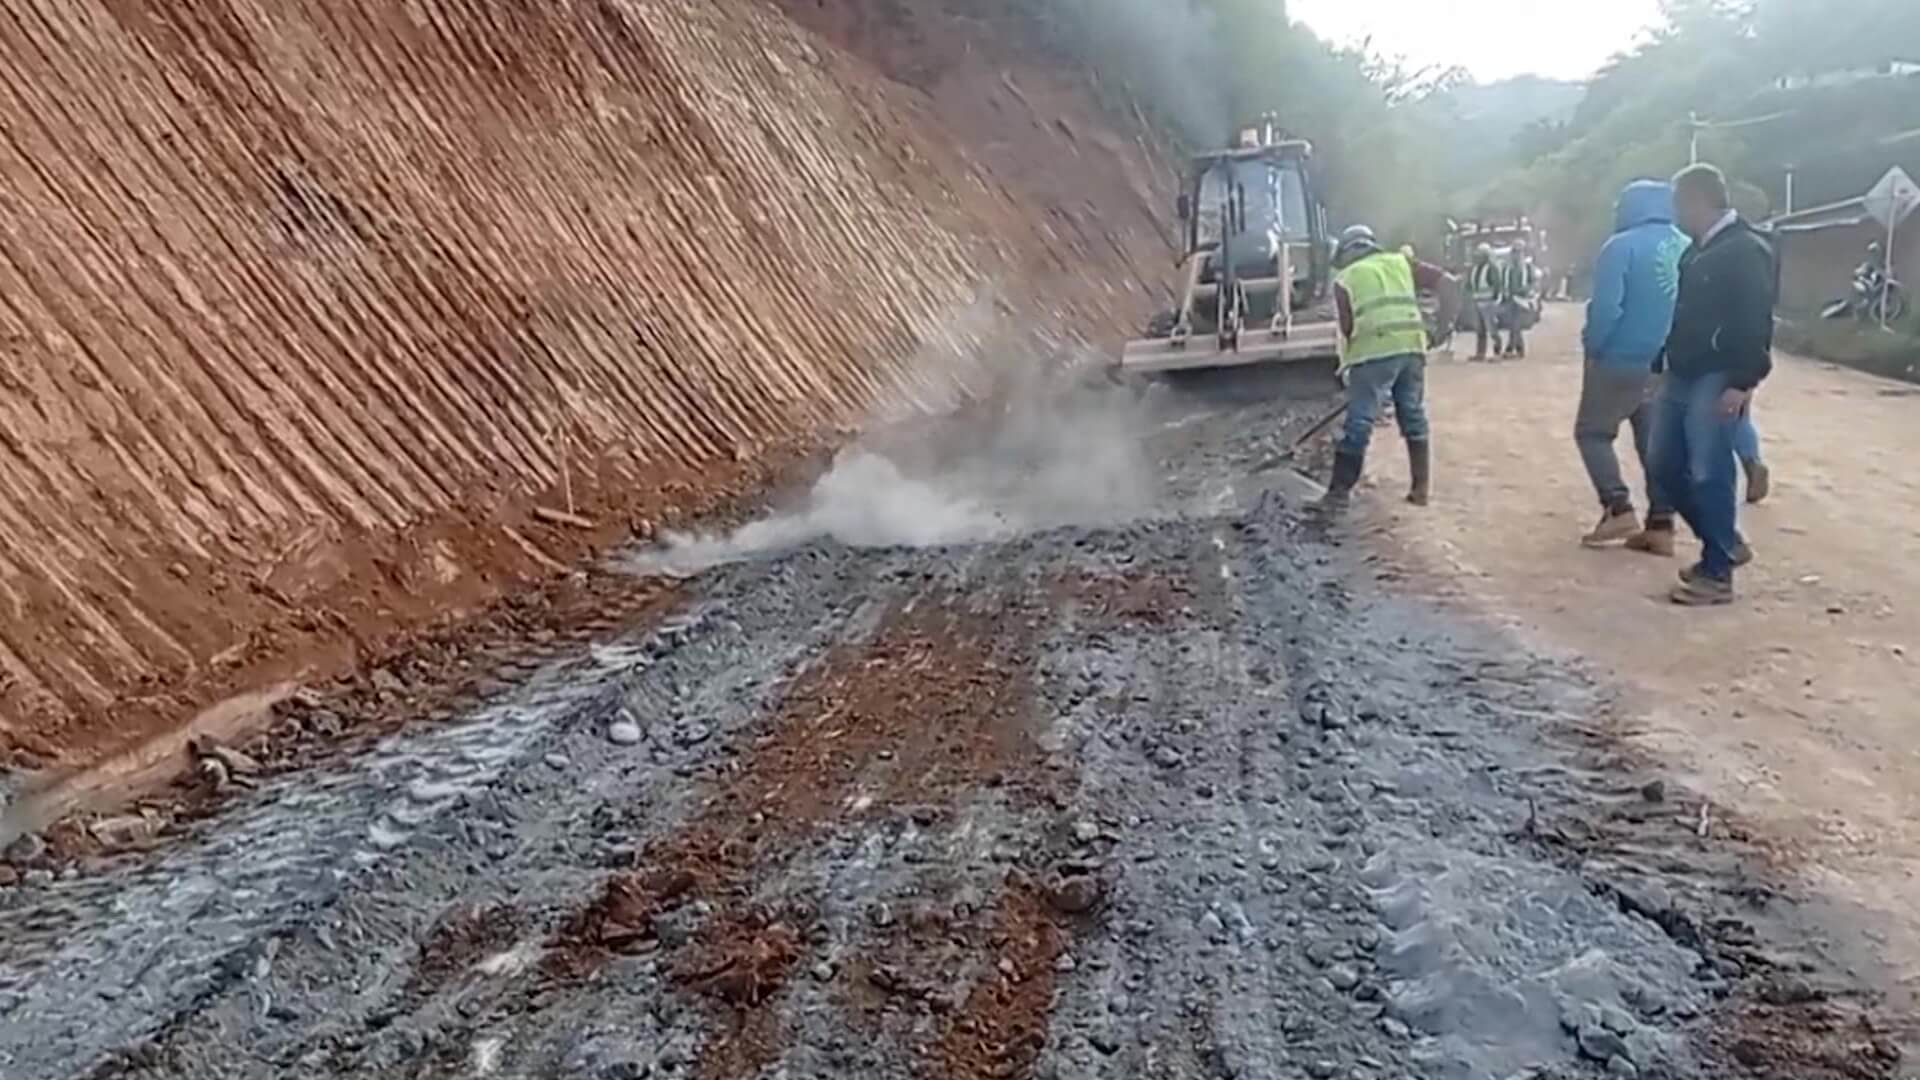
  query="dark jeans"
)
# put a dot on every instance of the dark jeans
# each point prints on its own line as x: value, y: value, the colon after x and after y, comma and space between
x: 1370, y: 384
x: 1693, y: 464
x: 1608, y: 398
x: 1486, y: 324
x: 1514, y: 317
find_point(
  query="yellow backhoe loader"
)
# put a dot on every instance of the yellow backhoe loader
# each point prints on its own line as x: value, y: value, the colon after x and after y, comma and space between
x: 1257, y: 265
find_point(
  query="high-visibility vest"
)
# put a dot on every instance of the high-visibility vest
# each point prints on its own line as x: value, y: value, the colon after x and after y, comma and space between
x: 1486, y: 281
x: 1386, y: 309
x: 1519, y: 280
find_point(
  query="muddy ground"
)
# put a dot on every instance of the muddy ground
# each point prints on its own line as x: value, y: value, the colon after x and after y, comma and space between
x: 1146, y: 775
x: 1795, y: 704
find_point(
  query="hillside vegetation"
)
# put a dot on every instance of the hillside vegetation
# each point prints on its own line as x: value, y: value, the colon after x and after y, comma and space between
x: 1738, y: 66
x: 1405, y: 148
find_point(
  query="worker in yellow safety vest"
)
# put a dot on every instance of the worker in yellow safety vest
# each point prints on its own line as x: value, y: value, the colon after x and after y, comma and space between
x: 1488, y: 283
x: 1383, y: 354
x: 1516, y: 299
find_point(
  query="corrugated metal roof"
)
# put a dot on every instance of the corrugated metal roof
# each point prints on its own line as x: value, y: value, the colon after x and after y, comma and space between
x: 1838, y: 215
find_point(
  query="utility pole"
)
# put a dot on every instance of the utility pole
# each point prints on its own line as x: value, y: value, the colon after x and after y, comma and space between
x: 1789, y: 189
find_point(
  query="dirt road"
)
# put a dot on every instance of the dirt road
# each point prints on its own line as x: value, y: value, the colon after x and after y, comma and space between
x: 1182, y: 793
x: 1794, y: 708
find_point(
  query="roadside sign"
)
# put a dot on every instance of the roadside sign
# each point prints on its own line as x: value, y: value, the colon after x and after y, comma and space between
x: 1893, y: 198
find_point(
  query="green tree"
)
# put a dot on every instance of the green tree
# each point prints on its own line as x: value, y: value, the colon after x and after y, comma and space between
x: 1790, y: 65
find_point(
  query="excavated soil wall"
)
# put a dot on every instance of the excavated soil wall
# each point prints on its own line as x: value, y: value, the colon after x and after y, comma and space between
x: 306, y: 307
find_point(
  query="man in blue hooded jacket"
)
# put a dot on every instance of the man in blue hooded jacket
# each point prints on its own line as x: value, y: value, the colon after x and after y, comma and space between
x: 1636, y: 281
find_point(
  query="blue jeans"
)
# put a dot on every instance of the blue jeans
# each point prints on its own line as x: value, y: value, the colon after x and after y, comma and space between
x: 1369, y: 384
x: 1693, y: 458
x: 1746, y: 439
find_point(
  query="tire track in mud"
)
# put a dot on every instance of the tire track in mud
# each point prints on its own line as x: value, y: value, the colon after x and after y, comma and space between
x: 935, y: 706
x: 885, y: 730
x: 302, y: 908
x: 1169, y: 799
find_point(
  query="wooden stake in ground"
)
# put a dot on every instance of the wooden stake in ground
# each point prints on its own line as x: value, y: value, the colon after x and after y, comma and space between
x: 560, y: 517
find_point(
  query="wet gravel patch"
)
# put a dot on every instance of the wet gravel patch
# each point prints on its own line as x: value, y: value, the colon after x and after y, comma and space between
x: 1171, y: 798
x: 296, y: 916
x: 1308, y: 818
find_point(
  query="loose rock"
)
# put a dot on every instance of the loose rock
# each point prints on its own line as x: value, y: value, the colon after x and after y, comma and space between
x: 237, y: 763
x: 1617, y: 1021
x: 123, y: 830
x: 624, y: 732
x: 25, y: 848
x: 1752, y: 1053
x: 1077, y: 894
x: 1599, y: 1044
x: 1788, y: 990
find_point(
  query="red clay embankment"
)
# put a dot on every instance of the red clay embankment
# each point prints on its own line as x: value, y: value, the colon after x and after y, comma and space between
x: 306, y: 305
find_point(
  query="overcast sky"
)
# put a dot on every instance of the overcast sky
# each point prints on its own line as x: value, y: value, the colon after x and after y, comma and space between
x: 1493, y: 39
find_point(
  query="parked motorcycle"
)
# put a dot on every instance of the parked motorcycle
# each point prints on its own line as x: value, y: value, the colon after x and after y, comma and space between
x: 1875, y: 297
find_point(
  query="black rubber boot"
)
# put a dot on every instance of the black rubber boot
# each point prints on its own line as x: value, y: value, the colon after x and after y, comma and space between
x: 1346, y: 474
x: 1420, y: 464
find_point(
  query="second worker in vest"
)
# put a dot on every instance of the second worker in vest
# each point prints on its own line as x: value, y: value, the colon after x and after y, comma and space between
x: 1516, y: 299
x: 1488, y: 283
x: 1383, y: 355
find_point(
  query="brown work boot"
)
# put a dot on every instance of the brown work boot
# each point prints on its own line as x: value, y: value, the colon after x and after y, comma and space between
x: 1759, y: 481
x: 1420, y: 464
x: 1741, y: 555
x: 1615, y: 526
x: 1655, y: 539
x: 1697, y: 589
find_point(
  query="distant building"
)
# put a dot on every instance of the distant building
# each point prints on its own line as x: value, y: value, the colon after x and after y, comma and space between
x: 1819, y: 248
x: 1890, y: 69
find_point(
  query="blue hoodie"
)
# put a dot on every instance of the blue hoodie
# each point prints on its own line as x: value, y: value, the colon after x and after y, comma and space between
x: 1636, y: 280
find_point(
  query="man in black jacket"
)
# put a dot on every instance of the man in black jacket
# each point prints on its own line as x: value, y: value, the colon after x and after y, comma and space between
x: 1720, y: 348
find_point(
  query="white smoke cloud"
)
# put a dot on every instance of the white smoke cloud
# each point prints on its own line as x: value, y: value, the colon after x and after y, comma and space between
x: 1045, y: 446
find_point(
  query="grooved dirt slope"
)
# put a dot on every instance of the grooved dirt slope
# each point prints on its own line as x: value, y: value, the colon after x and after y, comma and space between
x: 305, y: 305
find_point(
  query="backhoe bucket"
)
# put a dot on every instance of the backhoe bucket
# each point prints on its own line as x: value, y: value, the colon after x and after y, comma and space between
x: 1304, y: 341
x: 1282, y: 336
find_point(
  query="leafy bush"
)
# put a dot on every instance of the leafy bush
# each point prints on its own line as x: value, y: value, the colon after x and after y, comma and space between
x: 1893, y: 353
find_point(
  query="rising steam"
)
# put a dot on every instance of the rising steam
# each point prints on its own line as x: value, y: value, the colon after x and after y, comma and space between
x: 1044, y: 448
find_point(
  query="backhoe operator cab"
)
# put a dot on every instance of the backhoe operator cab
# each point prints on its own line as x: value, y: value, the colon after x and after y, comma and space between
x: 1257, y: 262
